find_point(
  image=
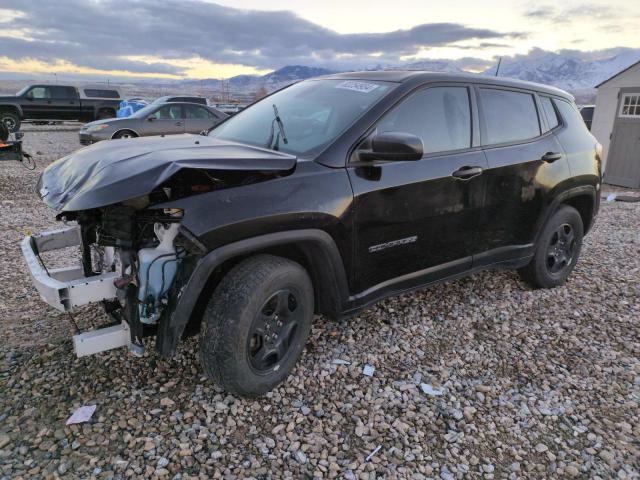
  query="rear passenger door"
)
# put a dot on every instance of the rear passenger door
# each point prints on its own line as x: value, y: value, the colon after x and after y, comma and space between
x: 526, y: 164
x: 65, y: 103
x: 198, y: 119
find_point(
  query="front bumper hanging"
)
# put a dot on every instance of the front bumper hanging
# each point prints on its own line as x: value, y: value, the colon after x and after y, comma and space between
x: 66, y: 288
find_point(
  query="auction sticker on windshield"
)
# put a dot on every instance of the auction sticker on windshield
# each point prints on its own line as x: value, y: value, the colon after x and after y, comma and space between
x: 363, y: 87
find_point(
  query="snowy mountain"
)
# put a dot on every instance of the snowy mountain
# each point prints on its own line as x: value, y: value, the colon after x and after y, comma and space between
x: 575, y: 71
x: 570, y: 71
x: 433, y: 66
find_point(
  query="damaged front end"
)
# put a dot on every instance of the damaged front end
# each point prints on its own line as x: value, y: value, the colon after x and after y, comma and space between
x: 135, y: 257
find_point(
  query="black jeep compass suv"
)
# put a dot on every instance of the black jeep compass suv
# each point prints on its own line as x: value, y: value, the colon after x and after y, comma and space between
x: 323, y: 197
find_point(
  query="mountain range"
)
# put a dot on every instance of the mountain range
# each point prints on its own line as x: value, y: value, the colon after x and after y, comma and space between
x: 573, y: 71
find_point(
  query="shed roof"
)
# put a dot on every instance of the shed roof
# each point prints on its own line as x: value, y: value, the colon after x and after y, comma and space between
x: 619, y: 73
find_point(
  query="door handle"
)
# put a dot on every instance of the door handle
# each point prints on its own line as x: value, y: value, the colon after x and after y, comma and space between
x: 178, y: 123
x: 466, y: 173
x: 551, y: 157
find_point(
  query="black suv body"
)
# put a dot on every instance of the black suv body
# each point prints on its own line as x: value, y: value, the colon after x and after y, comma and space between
x: 368, y: 185
x: 59, y: 102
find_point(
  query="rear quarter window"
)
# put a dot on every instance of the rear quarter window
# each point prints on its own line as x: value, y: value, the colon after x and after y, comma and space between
x: 509, y: 116
x: 571, y: 116
x: 550, y: 112
x: 99, y: 93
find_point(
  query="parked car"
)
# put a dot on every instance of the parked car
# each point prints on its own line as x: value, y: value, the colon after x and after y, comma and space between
x: 322, y: 198
x: 154, y: 119
x: 586, y: 111
x: 59, y: 102
x: 181, y: 98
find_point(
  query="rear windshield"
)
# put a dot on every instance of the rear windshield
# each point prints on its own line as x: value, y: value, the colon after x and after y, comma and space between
x: 313, y: 114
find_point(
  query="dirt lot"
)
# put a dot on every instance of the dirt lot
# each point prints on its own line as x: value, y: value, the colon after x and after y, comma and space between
x: 537, y: 384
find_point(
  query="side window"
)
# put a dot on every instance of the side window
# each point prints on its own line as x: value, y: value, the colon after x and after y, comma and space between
x: 440, y: 116
x: 195, y: 112
x: 63, y: 92
x: 550, y: 112
x: 169, y: 112
x: 40, y: 92
x: 508, y: 116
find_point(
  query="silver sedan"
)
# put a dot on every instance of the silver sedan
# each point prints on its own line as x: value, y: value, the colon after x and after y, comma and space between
x: 155, y: 119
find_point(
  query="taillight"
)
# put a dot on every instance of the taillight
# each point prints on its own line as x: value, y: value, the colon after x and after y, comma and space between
x: 599, y: 150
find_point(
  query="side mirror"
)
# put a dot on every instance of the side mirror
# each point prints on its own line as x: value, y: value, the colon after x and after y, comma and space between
x: 393, y: 147
x: 151, y: 118
x: 29, y: 95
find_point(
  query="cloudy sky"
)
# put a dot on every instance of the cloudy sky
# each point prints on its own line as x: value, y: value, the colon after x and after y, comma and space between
x: 207, y: 39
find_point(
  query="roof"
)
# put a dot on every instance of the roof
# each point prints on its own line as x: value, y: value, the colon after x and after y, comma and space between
x: 619, y: 73
x: 165, y: 97
x: 401, y: 76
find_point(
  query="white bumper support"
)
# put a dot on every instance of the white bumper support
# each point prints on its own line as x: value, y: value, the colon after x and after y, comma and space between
x: 64, y: 288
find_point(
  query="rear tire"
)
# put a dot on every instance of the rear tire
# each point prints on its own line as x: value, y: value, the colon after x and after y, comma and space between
x: 125, y: 134
x: 557, y: 250
x: 256, y: 325
x: 11, y: 120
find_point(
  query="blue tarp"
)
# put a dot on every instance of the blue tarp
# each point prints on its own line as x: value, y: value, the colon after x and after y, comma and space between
x: 127, y: 107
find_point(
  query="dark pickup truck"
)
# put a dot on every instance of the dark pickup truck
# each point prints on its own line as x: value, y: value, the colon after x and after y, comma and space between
x: 59, y: 102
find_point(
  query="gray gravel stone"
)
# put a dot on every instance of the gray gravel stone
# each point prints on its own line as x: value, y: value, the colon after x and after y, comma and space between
x: 559, y: 368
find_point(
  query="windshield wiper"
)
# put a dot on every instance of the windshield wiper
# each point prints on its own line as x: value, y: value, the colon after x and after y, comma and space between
x: 276, y: 121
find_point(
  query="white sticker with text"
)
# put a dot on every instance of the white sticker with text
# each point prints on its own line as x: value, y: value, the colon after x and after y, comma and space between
x: 362, y: 87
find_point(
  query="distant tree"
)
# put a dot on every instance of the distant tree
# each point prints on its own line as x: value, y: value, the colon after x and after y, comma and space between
x: 260, y: 93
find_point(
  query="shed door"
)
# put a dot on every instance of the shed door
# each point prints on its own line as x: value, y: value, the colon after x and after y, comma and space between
x: 623, y: 164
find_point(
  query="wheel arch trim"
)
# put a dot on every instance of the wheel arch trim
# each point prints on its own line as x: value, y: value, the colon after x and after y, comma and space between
x: 12, y: 107
x: 326, y: 265
x: 562, y: 197
x: 122, y: 130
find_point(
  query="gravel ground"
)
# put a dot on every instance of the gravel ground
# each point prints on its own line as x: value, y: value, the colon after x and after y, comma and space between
x: 536, y: 384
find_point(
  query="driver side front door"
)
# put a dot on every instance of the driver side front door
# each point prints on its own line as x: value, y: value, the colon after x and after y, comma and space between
x: 415, y: 221
x: 167, y: 120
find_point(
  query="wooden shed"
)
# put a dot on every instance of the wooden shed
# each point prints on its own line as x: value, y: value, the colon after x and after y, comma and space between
x: 616, y: 125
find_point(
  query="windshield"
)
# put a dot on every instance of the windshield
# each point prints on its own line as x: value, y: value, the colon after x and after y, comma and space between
x: 23, y: 90
x: 313, y: 114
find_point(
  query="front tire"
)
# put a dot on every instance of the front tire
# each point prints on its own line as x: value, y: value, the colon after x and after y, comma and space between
x: 557, y: 250
x: 256, y: 325
x: 11, y: 120
x: 125, y: 134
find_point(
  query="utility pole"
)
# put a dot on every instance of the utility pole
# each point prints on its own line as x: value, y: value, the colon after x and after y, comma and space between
x: 498, y: 67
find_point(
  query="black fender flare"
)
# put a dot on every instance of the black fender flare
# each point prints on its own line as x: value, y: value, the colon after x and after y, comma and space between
x: 325, y: 262
x: 561, y: 198
x: 12, y: 106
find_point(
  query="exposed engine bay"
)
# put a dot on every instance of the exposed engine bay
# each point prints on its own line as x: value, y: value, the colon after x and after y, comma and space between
x: 146, y: 247
x: 122, y: 204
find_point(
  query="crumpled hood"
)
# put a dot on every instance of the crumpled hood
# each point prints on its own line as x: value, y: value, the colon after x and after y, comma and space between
x: 112, y: 171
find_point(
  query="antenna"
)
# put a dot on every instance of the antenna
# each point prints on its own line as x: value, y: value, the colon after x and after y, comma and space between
x: 498, y: 67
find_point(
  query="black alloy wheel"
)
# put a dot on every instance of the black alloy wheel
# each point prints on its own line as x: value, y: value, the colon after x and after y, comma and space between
x: 561, y: 248
x: 557, y: 249
x: 273, y: 330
